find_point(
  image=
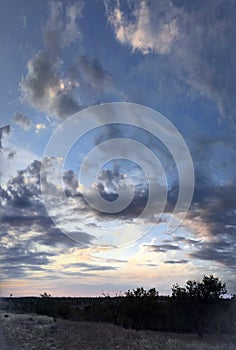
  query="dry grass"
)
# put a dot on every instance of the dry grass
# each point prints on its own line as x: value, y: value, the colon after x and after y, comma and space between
x: 34, y: 332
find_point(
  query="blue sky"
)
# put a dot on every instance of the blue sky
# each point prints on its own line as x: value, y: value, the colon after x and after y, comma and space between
x: 58, y: 58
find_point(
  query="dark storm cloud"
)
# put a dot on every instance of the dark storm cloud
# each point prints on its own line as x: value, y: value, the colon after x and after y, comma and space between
x: 22, y: 120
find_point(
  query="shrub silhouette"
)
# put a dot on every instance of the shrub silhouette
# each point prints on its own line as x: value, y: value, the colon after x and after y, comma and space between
x: 196, y: 303
x: 197, y: 307
x: 139, y: 307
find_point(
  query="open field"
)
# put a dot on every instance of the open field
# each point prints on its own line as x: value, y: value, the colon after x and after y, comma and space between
x: 34, y: 332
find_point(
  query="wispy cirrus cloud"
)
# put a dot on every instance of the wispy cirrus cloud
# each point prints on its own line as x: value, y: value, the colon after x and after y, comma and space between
x: 60, y: 33
x: 193, y: 50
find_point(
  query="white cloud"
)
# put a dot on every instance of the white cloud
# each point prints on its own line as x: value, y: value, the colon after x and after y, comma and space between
x: 39, y: 127
x: 141, y: 33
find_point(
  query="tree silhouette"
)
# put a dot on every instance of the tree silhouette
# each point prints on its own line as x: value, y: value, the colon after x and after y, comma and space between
x: 140, y: 306
x: 196, y: 302
x: 45, y: 295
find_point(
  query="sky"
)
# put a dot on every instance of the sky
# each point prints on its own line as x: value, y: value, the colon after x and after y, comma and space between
x: 104, y: 101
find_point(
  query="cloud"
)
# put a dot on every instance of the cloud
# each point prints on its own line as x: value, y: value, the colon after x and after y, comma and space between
x: 23, y: 205
x: 90, y: 267
x: 205, y: 44
x: 183, y: 261
x: 216, y: 208
x: 96, y: 84
x: 32, y: 245
x: 43, y: 88
x: 220, y: 255
x: 5, y: 153
x: 11, y: 154
x: 4, y: 130
x: 58, y: 90
x: 39, y: 127
x: 139, y: 32
x: 22, y: 120
x: 29, y: 239
x: 161, y: 248
x: 71, y: 180
x: 181, y: 44
x: 108, y: 180
x: 27, y: 228
x: 93, y: 73
x: 59, y: 34
x: 212, y: 218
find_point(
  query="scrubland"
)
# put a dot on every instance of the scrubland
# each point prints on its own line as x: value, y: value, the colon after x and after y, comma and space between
x: 35, y: 332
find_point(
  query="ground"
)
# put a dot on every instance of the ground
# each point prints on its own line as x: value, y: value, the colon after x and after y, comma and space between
x: 34, y: 332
